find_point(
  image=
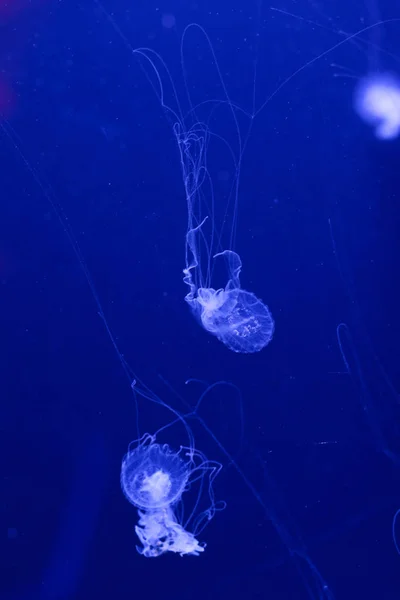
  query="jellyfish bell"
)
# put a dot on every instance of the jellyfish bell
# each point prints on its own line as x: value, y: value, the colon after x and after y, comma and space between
x: 152, y: 475
x: 235, y: 316
x: 153, y: 479
x: 243, y: 323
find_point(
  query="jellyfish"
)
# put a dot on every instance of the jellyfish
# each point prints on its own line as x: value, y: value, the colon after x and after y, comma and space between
x: 235, y: 316
x: 153, y: 478
x: 156, y: 476
x: 376, y: 96
x: 377, y: 101
x: 172, y: 487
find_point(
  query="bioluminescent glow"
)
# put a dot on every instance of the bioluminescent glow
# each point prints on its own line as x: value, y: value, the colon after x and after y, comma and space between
x: 153, y: 478
x: 377, y: 101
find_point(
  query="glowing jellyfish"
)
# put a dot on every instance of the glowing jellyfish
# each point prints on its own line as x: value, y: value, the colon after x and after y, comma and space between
x: 153, y: 479
x: 377, y: 96
x: 156, y: 478
x: 235, y: 316
x: 377, y: 101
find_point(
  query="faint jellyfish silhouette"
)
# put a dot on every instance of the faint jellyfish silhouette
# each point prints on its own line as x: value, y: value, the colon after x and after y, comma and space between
x: 153, y: 479
x: 394, y: 522
x: 168, y: 21
x: 379, y: 398
x: 377, y: 392
x: 377, y: 95
x: 377, y: 101
x: 382, y: 415
x: 235, y: 316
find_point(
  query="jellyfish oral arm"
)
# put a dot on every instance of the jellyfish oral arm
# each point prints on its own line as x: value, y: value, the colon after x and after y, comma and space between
x: 190, y: 275
x: 159, y: 532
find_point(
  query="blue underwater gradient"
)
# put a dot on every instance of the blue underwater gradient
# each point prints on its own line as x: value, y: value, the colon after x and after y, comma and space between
x: 315, y: 427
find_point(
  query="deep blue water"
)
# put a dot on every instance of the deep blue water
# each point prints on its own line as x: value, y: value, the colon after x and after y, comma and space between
x: 83, y: 137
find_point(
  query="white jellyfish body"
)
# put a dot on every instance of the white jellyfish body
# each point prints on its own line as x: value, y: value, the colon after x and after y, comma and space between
x: 236, y: 317
x: 243, y: 323
x: 377, y: 101
x: 153, y: 479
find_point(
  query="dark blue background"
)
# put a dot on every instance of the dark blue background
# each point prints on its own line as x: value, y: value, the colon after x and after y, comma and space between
x: 91, y: 128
